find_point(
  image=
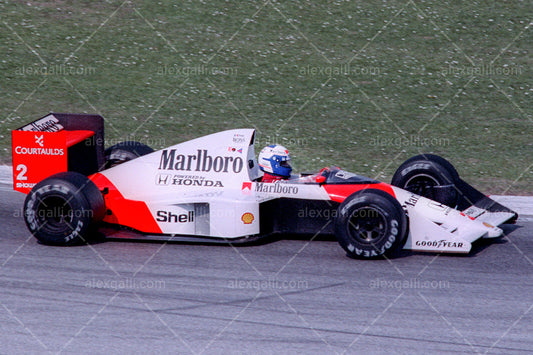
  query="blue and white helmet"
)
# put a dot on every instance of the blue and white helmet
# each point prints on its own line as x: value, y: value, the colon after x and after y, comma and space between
x: 275, y: 159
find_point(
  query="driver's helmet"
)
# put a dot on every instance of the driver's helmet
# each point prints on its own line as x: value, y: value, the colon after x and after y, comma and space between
x: 274, y: 160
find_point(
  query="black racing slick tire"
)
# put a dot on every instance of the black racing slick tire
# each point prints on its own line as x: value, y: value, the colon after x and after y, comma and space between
x: 430, y: 176
x: 64, y: 209
x: 123, y: 152
x: 370, y: 224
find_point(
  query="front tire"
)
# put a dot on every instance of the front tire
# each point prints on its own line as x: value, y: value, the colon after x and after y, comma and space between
x: 63, y: 209
x: 370, y: 224
x: 430, y: 176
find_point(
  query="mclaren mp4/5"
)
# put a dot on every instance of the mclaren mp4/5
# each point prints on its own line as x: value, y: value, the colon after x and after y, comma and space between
x: 210, y: 189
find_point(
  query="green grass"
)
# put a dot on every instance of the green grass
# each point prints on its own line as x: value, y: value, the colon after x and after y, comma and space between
x: 413, y: 86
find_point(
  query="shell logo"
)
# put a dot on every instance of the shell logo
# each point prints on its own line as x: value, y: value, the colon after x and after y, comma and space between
x: 247, y: 218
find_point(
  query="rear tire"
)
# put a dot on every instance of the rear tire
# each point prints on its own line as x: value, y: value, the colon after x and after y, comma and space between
x: 63, y: 209
x: 125, y: 151
x: 430, y: 176
x: 370, y: 224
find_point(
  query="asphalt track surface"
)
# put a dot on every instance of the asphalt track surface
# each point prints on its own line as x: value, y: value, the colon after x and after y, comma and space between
x: 285, y: 296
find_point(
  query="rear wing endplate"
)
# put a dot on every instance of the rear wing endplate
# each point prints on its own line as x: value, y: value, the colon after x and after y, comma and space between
x: 55, y: 143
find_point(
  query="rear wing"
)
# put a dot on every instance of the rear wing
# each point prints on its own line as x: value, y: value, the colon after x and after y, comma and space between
x: 55, y: 143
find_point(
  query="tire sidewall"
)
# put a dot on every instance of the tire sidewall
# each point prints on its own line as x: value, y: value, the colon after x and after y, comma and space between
x: 421, y: 167
x: 73, y: 189
x: 437, y: 168
x: 433, y: 160
x: 387, y: 206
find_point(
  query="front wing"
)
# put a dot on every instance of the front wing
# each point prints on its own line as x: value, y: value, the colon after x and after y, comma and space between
x: 434, y: 227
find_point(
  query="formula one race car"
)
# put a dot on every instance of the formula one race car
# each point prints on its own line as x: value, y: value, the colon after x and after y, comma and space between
x: 210, y: 188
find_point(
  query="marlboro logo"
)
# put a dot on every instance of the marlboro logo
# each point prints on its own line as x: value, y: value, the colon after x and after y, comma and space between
x: 202, y: 161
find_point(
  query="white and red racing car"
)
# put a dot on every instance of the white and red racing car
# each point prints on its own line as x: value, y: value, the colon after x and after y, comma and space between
x: 210, y: 188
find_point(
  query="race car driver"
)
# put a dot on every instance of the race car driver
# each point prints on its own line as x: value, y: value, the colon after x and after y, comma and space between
x: 274, y: 161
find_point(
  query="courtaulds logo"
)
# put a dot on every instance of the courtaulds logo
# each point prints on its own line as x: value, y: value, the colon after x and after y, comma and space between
x: 39, y: 140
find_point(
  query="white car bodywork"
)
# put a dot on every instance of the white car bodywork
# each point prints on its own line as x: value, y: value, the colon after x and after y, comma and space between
x: 209, y: 187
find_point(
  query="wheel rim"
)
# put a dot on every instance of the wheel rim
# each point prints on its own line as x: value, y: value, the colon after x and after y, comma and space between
x: 422, y: 185
x: 55, y: 213
x: 367, y: 225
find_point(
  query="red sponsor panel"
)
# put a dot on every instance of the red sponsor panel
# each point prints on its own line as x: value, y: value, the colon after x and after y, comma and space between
x: 130, y: 213
x: 339, y: 193
x: 37, y: 155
